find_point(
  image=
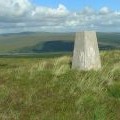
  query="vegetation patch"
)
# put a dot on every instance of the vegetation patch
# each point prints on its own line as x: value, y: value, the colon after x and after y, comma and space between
x: 48, y: 89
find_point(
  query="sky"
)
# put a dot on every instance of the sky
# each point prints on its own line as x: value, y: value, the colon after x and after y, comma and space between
x: 59, y: 15
x: 78, y: 4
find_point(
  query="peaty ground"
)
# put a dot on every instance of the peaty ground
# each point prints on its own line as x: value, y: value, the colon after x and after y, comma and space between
x: 47, y: 89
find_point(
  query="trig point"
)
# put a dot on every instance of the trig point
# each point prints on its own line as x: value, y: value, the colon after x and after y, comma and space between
x: 86, y: 53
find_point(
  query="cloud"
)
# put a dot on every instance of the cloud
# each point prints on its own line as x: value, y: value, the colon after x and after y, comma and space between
x: 105, y: 11
x: 40, y: 11
x: 22, y: 15
x: 14, y: 8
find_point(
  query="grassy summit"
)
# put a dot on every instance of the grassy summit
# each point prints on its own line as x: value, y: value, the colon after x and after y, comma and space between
x: 47, y: 89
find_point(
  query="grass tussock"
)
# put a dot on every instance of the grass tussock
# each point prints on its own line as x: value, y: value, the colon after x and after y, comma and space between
x: 47, y: 89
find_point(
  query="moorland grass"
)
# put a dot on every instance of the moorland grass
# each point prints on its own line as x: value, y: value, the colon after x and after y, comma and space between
x: 47, y: 89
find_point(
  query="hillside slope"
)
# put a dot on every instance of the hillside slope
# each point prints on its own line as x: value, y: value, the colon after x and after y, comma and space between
x: 51, y: 42
x: 47, y: 89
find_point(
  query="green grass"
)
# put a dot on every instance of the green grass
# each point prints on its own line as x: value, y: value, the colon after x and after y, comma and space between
x: 47, y: 89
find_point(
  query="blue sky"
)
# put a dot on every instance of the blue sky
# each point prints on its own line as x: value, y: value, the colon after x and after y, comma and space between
x: 79, y: 4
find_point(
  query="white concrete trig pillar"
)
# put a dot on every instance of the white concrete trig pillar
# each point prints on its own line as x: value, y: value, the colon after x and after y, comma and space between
x: 86, y: 52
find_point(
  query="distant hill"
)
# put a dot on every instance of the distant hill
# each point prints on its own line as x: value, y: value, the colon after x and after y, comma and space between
x: 41, y: 42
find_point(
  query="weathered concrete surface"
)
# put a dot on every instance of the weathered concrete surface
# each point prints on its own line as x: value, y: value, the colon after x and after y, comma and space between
x: 86, y: 52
